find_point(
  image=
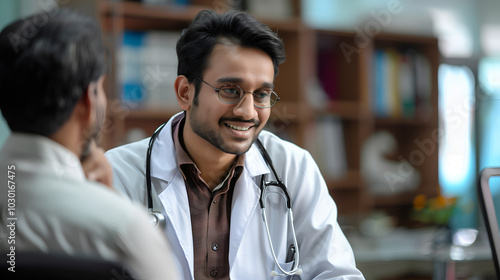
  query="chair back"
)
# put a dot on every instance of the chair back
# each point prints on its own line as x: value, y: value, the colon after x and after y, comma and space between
x: 39, y: 265
x: 488, y: 210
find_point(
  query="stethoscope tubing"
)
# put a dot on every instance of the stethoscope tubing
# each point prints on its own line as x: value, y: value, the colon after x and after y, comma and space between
x: 295, y: 269
x: 148, y: 164
x: 160, y: 219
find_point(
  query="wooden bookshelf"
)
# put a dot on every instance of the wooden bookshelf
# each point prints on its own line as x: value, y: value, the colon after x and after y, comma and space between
x: 351, y: 85
x: 351, y: 100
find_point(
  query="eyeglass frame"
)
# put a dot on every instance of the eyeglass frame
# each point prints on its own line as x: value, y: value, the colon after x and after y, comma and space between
x: 241, y: 95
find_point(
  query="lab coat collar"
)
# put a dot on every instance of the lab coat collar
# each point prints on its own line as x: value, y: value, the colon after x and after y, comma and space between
x: 163, y: 161
x: 255, y: 163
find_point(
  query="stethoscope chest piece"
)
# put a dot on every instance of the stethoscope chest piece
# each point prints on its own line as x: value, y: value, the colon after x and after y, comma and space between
x: 157, y: 219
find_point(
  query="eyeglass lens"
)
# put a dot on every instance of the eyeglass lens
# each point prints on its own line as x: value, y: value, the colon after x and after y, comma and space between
x: 263, y: 98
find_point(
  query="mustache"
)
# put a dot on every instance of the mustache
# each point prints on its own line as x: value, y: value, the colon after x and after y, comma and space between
x: 226, y: 119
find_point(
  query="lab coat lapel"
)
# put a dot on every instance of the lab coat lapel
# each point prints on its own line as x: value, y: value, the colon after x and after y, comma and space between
x: 176, y: 205
x: 245, y: 200
x: 172, y: 192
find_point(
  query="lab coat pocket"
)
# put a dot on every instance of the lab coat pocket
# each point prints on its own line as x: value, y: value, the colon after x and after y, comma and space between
x: 286, y: 267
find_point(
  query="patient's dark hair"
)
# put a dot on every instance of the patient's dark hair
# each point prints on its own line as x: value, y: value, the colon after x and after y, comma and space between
x: 234, y: 27
x: 47, y: 61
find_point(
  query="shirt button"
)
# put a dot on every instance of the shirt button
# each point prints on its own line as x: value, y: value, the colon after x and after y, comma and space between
x: 213, y: 273
x: 215, y: 247
x: 214, y: 202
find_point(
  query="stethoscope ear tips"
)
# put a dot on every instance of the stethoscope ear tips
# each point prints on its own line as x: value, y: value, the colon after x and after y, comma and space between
x: 274, y: 273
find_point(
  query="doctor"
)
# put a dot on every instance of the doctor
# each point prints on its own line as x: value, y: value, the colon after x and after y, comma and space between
x: 206, y: 169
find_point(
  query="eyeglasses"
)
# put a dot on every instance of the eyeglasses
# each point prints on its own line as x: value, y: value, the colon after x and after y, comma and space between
x: 231, y: 94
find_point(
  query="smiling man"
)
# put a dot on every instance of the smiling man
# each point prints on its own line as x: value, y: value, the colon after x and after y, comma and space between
x: 208, y: 174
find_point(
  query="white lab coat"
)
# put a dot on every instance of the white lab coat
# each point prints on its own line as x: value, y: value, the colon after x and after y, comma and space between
x: 324, y: 251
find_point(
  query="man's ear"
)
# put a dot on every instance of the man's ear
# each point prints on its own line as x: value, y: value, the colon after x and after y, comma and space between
x: 88, y: 103
x: 184, y: 92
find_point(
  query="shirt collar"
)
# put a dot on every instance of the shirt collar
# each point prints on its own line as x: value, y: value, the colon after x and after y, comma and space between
x: 183, y: 157
x: 40, y: 154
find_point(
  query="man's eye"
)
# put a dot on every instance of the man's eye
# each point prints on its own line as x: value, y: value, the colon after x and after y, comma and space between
x: 231, y: 91
x: 262, y: 94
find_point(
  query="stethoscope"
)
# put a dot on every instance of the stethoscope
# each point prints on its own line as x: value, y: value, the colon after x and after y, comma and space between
x: 158, y: 219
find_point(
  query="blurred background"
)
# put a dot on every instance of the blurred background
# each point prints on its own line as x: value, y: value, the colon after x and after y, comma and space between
x: 397, y: 101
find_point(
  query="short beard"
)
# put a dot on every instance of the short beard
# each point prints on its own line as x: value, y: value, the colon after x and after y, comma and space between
x: 212, y: 138
x: 93, y: 135
x: 86, y: 145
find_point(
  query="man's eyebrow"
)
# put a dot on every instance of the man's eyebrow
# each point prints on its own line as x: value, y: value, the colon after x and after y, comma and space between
x: 230, y: 80
x: 234, y: 80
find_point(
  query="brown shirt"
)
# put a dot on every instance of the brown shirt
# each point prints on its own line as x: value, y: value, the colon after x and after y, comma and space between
x: 210, y: 213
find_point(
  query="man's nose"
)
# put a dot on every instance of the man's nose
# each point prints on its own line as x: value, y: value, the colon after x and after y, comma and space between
x: 246, y: 108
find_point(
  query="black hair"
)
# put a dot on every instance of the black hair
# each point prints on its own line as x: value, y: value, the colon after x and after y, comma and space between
x: 47, y: 61
x: 208, y: 29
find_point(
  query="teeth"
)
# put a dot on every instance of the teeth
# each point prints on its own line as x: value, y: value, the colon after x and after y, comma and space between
x: 238, y: 127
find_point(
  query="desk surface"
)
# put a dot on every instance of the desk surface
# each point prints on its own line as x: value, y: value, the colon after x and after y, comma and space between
x: 418, y: 251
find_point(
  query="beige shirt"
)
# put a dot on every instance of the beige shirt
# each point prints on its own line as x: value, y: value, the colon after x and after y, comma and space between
x: 57, y: 210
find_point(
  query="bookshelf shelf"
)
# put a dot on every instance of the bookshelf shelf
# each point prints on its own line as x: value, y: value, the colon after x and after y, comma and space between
x: 344, y: 110
x: 394, y: 200
x: 146, y: 114
x: 402, y: 39
x: 153, y: 12
x: 137, y: 16
x: 405, y: 199
x: 350, y: 180
x: 404, y: 122
x: 291, y: 111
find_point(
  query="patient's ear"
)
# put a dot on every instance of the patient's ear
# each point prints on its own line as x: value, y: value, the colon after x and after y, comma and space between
x: 88, y: 103
x: 184, y: 92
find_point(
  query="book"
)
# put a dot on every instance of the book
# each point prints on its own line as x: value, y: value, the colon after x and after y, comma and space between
x: 328, y: 74
x: 129, y: 75
x: 325, y: 142
x: 148, y: 69
x: 392, y: 94
x: 406, y: 87
x: 379, y: 90
x: 402, y: 84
